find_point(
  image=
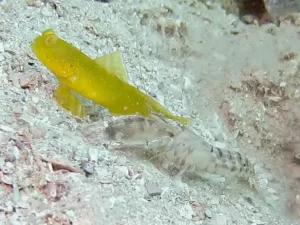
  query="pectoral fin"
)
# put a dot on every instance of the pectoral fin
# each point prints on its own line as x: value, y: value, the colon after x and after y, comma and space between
x: 113, y: 63
x: 68, y: 101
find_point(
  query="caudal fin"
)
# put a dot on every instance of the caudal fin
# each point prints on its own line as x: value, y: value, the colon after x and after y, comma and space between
x: 183, y: 120
x: 162, y: 117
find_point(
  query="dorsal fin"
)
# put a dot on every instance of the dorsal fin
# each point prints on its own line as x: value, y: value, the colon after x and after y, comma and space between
x: 113, y: 63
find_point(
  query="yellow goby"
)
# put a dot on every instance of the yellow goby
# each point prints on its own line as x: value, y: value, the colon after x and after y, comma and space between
x: 102, y: 80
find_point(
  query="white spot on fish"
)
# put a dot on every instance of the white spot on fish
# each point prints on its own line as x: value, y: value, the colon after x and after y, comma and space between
x: 125, y: 107
x: 74, y: 78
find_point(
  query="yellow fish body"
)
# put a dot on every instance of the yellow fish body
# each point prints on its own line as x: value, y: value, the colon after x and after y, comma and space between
x: 102, y: 80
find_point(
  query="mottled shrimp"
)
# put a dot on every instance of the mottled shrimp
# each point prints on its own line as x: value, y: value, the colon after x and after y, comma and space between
x: 179, y: 145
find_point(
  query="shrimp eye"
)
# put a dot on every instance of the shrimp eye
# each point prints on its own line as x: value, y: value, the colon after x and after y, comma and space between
x: 50, y: 37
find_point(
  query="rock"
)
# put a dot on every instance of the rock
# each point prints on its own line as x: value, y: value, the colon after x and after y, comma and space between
x: 27, y: 80
x: 214, y: 201
x: 2, y: 162
x: 152, y: 189
x: 9, y: 119
x: 221, y: 220
x: 161, y: 99
x: 104, y: 1
x: 88, y: 167
x: 35, y: 100
x: 36, y: 133
x: 177, y: 93
x: 187, y: 212
x: 5, y: 170
x: 208, y: 213
x: 46, y: 12
x: 124, y: 171
x: 187, y: 83
x: 15, y: 194
x: 93, y: 154
x: 7, y: 180
x: 121, y: 161
x: 279, y: 8
x: 2, y: 58
x: 262, y: 11
x: 1, y: 47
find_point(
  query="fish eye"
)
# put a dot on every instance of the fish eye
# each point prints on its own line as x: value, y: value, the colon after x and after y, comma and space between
x: 50, y: 37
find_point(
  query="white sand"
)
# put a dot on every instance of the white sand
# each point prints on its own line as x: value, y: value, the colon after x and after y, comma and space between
x: 194, y: 84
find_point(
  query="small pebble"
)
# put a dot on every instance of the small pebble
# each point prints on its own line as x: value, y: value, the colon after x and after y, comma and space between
x: 88, y: 167
x: 36, y: 133
x: 15, y: 194
x: 272, y: 191
x: 59, y: 10
x: 187, y: 212
x: 43, y: 182
x: 35, y: 100
x: 1, y: 47
x: 17, y: 107
x: 6, y: 180
x: 9, y: 119
x: 93, y: 154
x: 2, y: 162
x: 161, y: 99
x: 71, y: 215
x: 25, y: 81
x: 187, y: 83
x: 249, y: 19
x: 152, y: 189
x: 121, y: 161
x: 14, y: 220
x: 9, y: 208
x: 5, y: 170
x: 6, y: 128
x: 214, y: 201
x: 30, y: 2
x: 208, y: 213
x: 221, y: 220
x: 177, y: 93
x: 124, y: 170
x: 23, y: 205
x: 9, y: 165
x: 46, y: 12
x: 2, y: 58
